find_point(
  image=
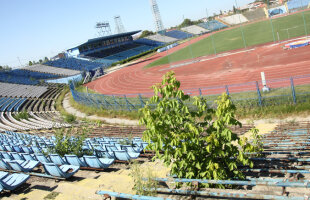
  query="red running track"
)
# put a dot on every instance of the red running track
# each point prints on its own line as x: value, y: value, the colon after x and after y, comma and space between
x: 235, y: 67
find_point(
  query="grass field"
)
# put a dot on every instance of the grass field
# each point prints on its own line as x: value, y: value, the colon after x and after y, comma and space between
x: 256, y: 33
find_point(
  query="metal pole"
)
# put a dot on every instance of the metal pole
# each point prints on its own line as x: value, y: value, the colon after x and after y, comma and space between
x: 241, y: 28
x: 200, y: 93
x: 259, y: 95
x: 141, y: 100
x: 288, y: 34
x: 293, y: 90
x: 227, y: 91
x: 127, y: 104
x: 211, y: 35
x: 189, y: 41
x: 305, y: 25
x: 270, y: 19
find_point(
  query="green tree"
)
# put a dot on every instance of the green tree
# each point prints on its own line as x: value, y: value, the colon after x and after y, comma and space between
x: 30, y: 63
x: 45, y: 59
x: 234, y: 9
x: 195, y: 140
x: 185, y: 23
x: 146, y: 33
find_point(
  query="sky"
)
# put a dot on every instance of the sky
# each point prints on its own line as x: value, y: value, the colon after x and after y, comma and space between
x: 33, y: 29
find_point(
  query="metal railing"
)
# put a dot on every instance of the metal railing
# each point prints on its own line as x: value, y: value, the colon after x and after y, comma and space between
x: 292, y: 90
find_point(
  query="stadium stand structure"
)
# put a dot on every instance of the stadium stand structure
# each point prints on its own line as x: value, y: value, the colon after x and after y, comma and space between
x: 52, y: 70
x: 22, y: 91
x: 297, y: 5
x: 40, y: 106
x: 194, y: 29
x: 26, y: 77
x: 235, y: 19
x: 255, y: 15
x: 74, y: 64
x: 149, y: 42
x: 161, y: 38
x: 213, y: 25
x: 110, y: 49
x: 180, y: 35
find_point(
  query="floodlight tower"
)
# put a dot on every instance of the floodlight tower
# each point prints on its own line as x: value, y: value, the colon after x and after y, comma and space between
x: 103, y: 28
x: 158, y: 22
x: 119, y: 27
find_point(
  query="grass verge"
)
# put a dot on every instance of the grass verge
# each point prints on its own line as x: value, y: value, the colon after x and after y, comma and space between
x: 59, y: 100
x: 90, y: 110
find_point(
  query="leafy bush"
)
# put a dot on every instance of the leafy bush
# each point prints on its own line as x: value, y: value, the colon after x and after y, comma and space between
x: 70, y: 141
x: 22, y: 115
x: 195, y: 148
x: 69, y: 118
x: 144, y: 183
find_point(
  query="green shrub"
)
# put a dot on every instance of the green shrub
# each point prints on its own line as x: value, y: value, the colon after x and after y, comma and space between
x: 70, y: 141
x: 69, y: 118
x: 196, y: 142
x: 22, y: 115
x: 144, y: 183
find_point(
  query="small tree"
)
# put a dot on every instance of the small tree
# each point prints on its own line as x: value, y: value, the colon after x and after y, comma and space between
x: 30, y: 63
x: 67, y: 144
x: 234, y: 10
x: 197, y: 142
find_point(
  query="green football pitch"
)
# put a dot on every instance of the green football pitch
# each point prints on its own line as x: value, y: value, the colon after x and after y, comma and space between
x: 261, y: 32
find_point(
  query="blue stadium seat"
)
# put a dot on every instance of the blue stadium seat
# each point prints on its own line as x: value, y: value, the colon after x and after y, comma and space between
x: 178, y: 34
x: 75, y: 64
x: 25, y: 77
x: 213, y: 25
x: 295, y: 5
x: 149, y: 42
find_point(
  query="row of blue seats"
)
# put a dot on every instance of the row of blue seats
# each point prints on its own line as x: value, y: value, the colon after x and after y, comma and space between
x: 27, y: 166
x: 25, y: 77
x: 11, y: 104
x: 297, y: 4
x: 39, y: 145
x: 7, y: 78
x: 75, y: 64
x: 26, y: 141
x: 122, y: 152
x: 128, y: 53
x: 149, y: 42
x: 178, y: 34
x: 213, y: 25
x: 29, y: 161
x: 101, y: 147
x: 30, y: 74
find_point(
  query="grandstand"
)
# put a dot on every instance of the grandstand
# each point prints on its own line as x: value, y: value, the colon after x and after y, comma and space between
x: 296, y: 5
x: 235, y: 19
x: 180, y: 35
x: 161, y: 38
x: 74, y: 64
x: 255, y: 15
x: 107, y: 50
x: 149, y: 42
x: 213, y: 25
x: 195, y: 30
x: 24, y: 91
x: 26, y: 77
x: 52, y: 70
x: 38, y: 101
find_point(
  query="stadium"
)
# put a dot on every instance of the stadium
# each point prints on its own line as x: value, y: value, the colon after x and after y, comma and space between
x: 57, y: 116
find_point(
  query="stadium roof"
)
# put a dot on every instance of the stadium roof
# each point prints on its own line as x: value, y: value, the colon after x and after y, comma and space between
x: 90, y: 41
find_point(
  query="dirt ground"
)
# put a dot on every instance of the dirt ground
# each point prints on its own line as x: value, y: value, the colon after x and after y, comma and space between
x: 84, y: 184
